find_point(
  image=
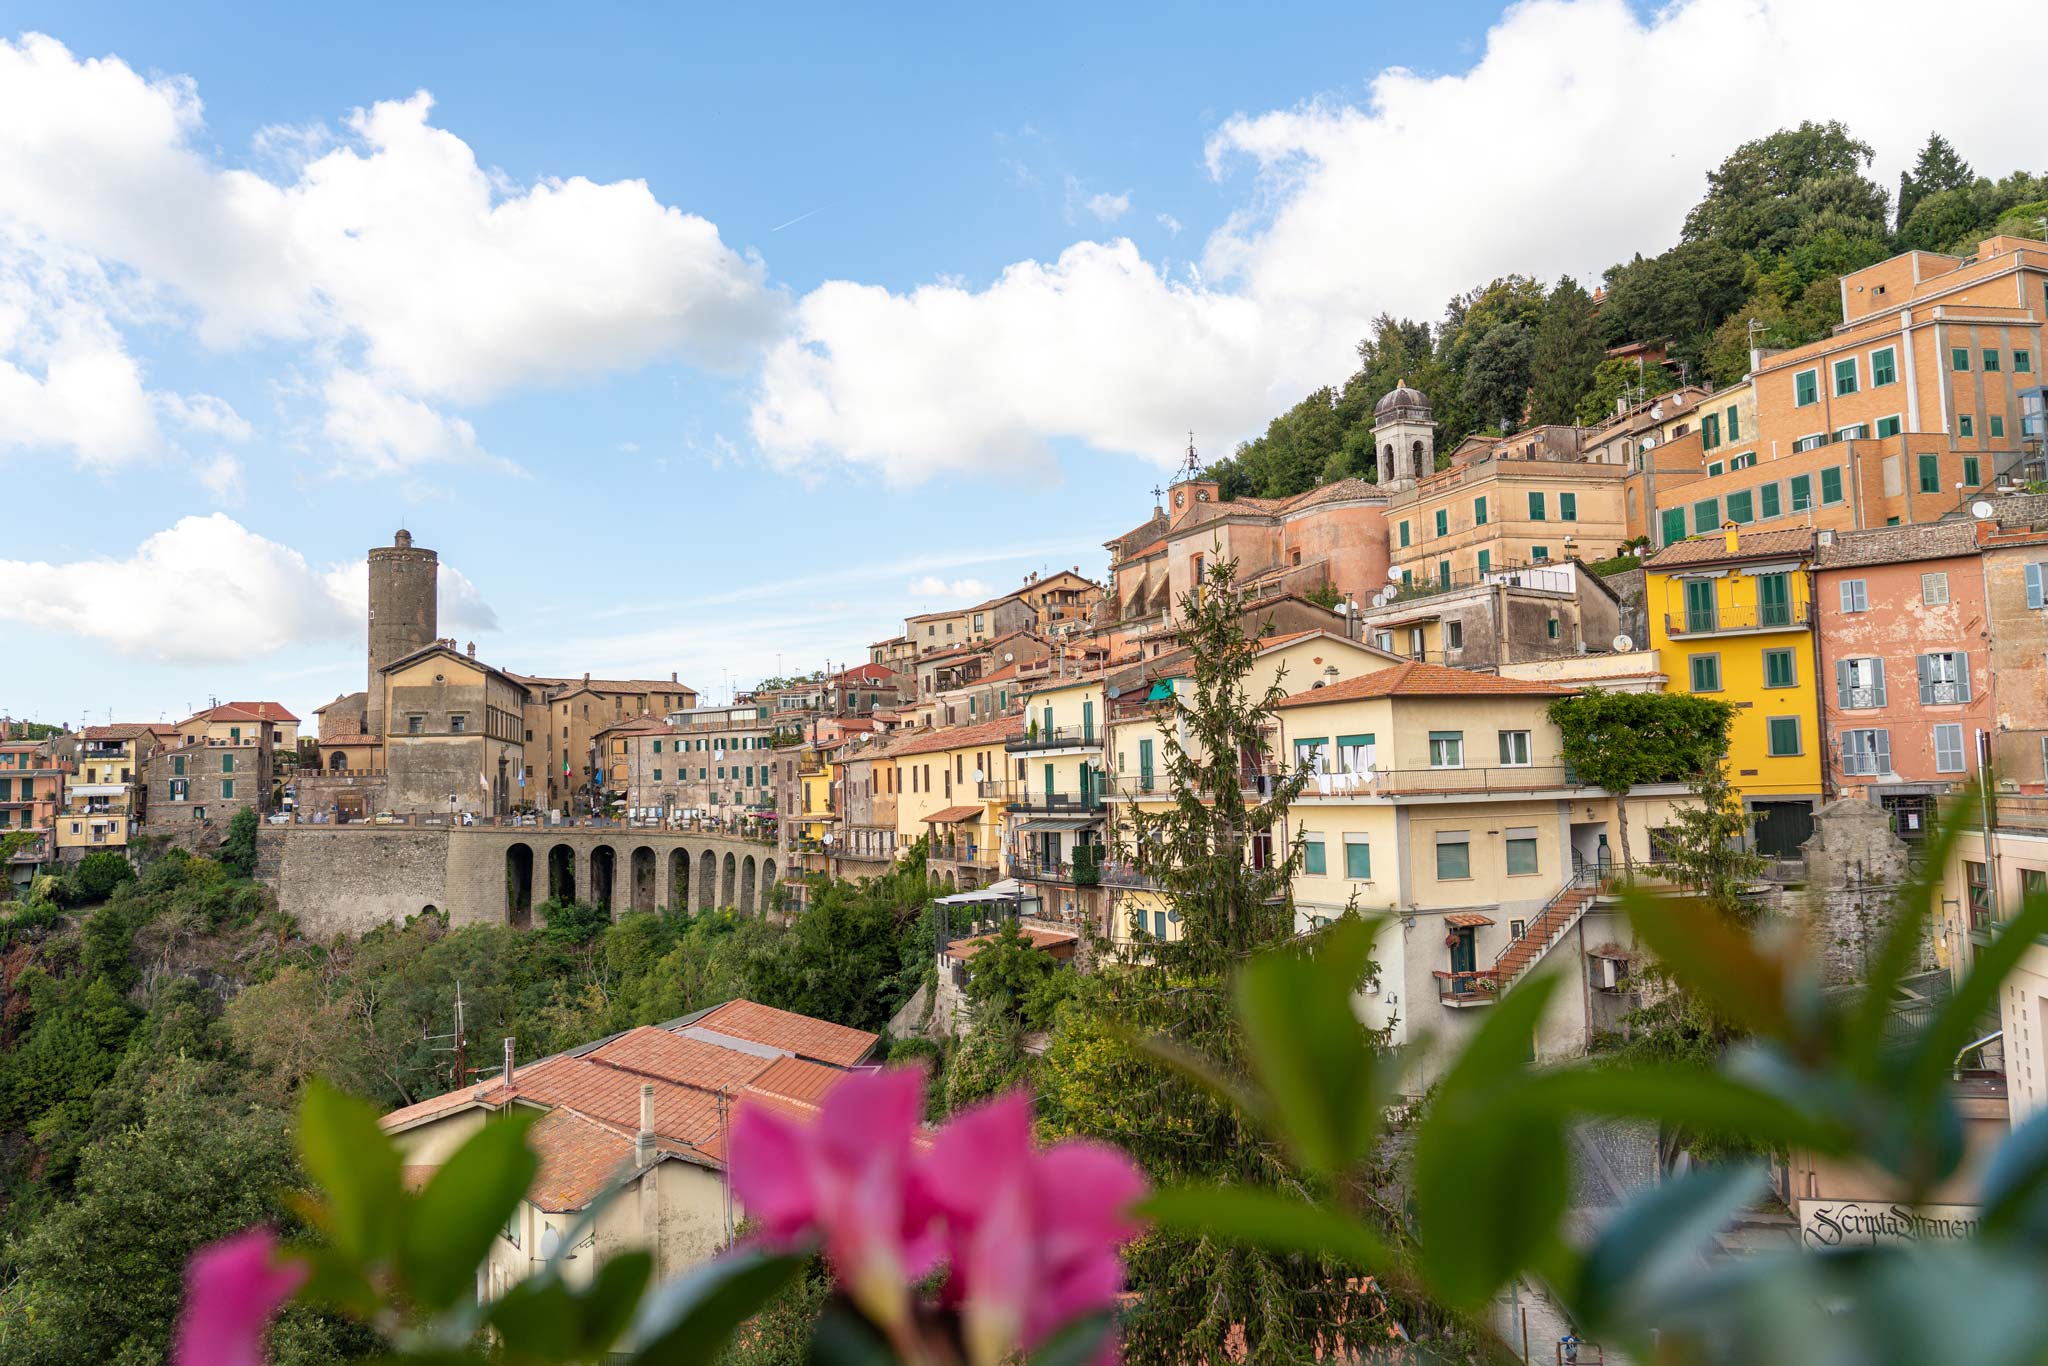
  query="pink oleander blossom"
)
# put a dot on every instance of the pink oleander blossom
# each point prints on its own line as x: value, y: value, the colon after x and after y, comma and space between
x: 232, y: 1288
x: 1033, y: 1237
x: 849, y: 1176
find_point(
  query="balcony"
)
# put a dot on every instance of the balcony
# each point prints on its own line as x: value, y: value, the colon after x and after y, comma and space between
x: 1084, y: 873
x: 1056, y: 737
x: 1463, y: 990
x: 1128, y: 876
x: 964, y: 854
x: 1727, y: 621
x: 1022, y: 796
x: 1420, y: 782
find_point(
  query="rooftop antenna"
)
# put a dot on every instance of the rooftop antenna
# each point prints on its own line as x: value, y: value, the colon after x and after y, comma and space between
x: 458, y: 1042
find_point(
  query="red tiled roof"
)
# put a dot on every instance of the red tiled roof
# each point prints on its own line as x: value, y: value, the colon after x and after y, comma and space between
x: 952, y: 814
x: 1467, y: 920
x: 661, y: 1055
x: 1712, y: 548
x: 799, y: 1034
x: 579, y: 1158
x: 1416, y: 679
x: 797, y: 1079
x: 121, y: 730
x: 955, y: 737
x: 267, y: 711
x: 1052, y: 941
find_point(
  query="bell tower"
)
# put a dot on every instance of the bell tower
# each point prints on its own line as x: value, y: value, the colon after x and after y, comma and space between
x: 1404, y: 435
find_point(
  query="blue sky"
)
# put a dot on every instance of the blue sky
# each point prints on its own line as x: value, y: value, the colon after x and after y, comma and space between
x: 911, y: 303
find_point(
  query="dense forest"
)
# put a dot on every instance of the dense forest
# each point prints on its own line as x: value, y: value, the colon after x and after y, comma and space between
x: 1783, y: 218
x: 156, y: 1029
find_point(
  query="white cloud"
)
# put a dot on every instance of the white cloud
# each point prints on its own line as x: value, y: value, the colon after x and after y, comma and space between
x: 959, y: 590
x: 1537, y: 159
x: 1109, y: 207
x: 206, y: 414
x: 222, y: 477
x: 1170, y: 223
x: 387, y: 432
x: 207, y: 590
x: 385, y: 240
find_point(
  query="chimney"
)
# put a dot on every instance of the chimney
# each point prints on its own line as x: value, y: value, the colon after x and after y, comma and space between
x: 472, y: 649
x: 672, y: 677
x: 643, y: 1142
x: 508, y: 1062
x: 1729, y: 533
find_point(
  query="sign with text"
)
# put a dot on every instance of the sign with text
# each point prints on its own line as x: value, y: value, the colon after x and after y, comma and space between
x: 1865, y: 1223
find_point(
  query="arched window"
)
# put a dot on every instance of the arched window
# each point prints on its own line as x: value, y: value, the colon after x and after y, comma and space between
x: 337, y: 761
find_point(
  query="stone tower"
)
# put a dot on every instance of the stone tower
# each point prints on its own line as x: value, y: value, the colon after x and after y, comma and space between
x: 1404, y: 434
x: 404, y: 582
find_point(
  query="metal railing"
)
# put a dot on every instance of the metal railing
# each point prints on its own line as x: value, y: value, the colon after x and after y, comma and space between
x: 1398, y: 782
x: 1478, y: 987
x: 967, y: 854
x: 1749, y: 617
x: 1119, y: 873
x: 1022, y: 796
x: 1081, y: 874
x: 1054, y: 737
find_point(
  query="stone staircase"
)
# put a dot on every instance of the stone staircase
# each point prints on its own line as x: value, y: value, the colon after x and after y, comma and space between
x: 1556, y: 919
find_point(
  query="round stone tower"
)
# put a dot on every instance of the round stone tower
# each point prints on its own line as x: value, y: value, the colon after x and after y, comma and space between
x: 404, y: 581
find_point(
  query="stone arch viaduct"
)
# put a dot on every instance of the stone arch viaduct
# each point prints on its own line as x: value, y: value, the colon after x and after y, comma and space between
x: 353, y: 877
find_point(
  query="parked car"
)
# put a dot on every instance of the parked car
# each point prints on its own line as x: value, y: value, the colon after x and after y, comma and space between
x: 279, y: 818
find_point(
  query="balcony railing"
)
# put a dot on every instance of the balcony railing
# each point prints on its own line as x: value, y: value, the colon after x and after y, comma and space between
x: 965, y: 854
x: 1020, y: 795
x: 1399, y: 782
x: 1082, y: 874
x: 1461, y: 989
x: 1116, y: 873
x: 1055, y: 737
x: 1770, y: 616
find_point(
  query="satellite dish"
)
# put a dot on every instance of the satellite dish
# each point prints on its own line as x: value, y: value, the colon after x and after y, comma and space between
x: 1623, y: 644
x: 1115, y: 693
x: 1393, y: 575
x: 1981, y: 509
x: 1008, y: 657
x: 1656, y: 412
x: 550, y: 1241
x: 979, y: 776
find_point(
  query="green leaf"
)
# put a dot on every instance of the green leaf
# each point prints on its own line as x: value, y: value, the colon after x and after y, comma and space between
x: 463, y: 1208
x: 1492, y: 1169
x: 357, y: 1165
x: 1262, y: 1218
x: 841, y: 1337
x: 1657, y: 1240
x: 1198, y: 1070
x: 537, y: 1321
x: 689, y: 1320
x: 1715, y: 957
x: 1956, y: 1023
x: 1681, y: 1097
x: 2015, y: 1194
x: 1076, y: 1343
x: 606, y: 1308
x: 1913, y: 907
x: 1309, y: 1049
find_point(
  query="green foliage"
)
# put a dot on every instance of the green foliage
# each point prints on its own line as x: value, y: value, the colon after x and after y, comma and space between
x: 1938, y: 169
x: 1619, y: 741
x: 238, y: 850
x: 1568, y: 352
x: 1010, y: 976
x: 96, y: 877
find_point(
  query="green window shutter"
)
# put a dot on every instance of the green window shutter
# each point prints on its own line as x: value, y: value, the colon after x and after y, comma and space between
x: 1706, y: 673
x: 1959, y: 358
x: 1970, y: 471
x: 1966, y: 425
x: 1357, y: 860
x: 1845, y: 376
x: 1990, y: 360
x: 1806, y: 388
x: 1706, y: 515
x: 1887, y: 426
x: 1784, y: 735
x: 1778, y: 668
x: 1404, y: 533
x: 1710, y: 431
x: 1768, y: 501
x: 1536, y: 507
x: 1997, y: 425
x: 1884, y: 367
x: 1734, y: 423
x: 1674, y: 525
x: 1443, y: 572
x: 1485, y: 561
x: 1802, y: 492
x: 1831, y: 485
x: 1568, y: 506
x: 1443, y: 522
x: 2023, y: 362
x: 227, y: 790
x: 1930, y: 474
x: 1739, y: 507
x: 1312, y: 857
x: 1479, y: 512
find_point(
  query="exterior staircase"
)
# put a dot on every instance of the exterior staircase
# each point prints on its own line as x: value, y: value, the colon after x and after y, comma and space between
x: 1552, y: 924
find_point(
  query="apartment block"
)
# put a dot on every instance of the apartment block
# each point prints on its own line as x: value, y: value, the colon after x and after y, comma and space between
x: 104, y: 807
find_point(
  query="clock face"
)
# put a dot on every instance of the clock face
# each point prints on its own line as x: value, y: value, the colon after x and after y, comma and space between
x: 1203, y: 496
x: 1179, y: 498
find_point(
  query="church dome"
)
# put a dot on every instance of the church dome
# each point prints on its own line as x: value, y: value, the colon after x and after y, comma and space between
x: 1402, y: 402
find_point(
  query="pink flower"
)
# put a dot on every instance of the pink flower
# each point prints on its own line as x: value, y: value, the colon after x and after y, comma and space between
x: 851, y: 1176
x: 232, y: 1288
x: 1033, y: 1236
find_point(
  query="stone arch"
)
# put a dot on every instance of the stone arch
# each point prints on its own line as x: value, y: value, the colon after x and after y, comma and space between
x: 768, y: 884
x: 561, y: 873
x: 604, y: 873
x: 337, y: 762
x: 746, y: 901
x: 728, y: 885
x: 679, y: 879
x: 428, y: 909
x: 519, y: 885
x: 707, y: 880
x: 1415, y: 458
x: 644, y: 879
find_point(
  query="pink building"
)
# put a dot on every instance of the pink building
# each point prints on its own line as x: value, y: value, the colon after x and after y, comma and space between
x: 1905, y: 671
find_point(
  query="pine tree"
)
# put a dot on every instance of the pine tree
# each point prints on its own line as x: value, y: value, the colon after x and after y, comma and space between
x: 1939, y: 167
x: 1568, y: 351
x: 1213, y: 852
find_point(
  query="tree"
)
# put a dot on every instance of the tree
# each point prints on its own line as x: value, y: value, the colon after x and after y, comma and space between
x: 1568, y: 350
x: 98, y: 874
x: 1939, y: 167
x: 1497, y: 373
x: 1619, y: 741
x: 1678, y: 298
x: 1759, y: 198
x: 1612, y: 379
x: 238, y: 850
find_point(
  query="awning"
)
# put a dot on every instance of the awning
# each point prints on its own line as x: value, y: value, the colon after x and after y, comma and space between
x: 1004, y: 891
x: 953, y: 815
x: 1048, y: 824
x: 1467, y: 920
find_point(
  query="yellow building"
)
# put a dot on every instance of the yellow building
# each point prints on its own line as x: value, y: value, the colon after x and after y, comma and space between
x: 1053, y: 790
x: 1731, y: 616
x: 103, y: 806
x: 949, y: 785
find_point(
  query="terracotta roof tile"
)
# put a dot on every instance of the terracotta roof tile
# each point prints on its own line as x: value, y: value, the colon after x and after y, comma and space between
x: 661, y: 1055
x: 952, y: 814
x: 579, y: 1158
x: 1898, y: 544
x: 268, y: 711
x: 1467, y: 920
x: 120, y: 730
x: 797, y: 1079
x: 1416, y: 679
x: 960, y: 950
x: 1712, y: 548
x: 956, y: 737
x: 799, y: 1034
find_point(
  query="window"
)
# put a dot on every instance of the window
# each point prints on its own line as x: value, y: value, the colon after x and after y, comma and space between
x: 1858, y: 432
x: 1706, y: 673
x: 416, y: 725
x: 1831, y: 486
x: 1550, y: 628
x: 1710, y: 431
x: 1934, y: 589
x: 1990, y: 360
x: 180, y: 789
x: 1930, y: 474
x: 1521, y: 850
x: 1674, y: 525
x: 1443, y: 522
x: 457, y: 723
x: 1972, y: 470
x: 1354, y: 753
x: 1454, y: 631
x: 1312, y: 858
x: 1741, y: 507
x: 1514, y: 748
x: 1845, y: 377
x: 1485, y: 560
x: 1966, y: 425
x: 227, y: 763
x: 1855, y: 595
x: 1767, y: 498
x: 1811, y: 443
x: 1734, y: 423
x: 1706, y: 515
x: 1716, y: 469
x: 1781, y: 669
x: 1997, y: 425
x: 1948, y: 749
x: 657, y: 775
x: 1447, y: 749
x: 1308, y: 754
x: 1536, y: 506
x: 1884, y: 367
x: 2023, y: 362
x: 1944, y: 678
x: 1404, y: 533
x: 178, y: 764
x: 1478, y: 512
x: 1802, y: 492
x: 1743, y: 461
x: 1453, y: 855
x: 1888, y: 426
x: 1859, y: 682
x: 1443, y: 572
x: 1357, y: 858
x: 1959, y: 358
x: 1866, y: 753
x: 1701, y: 613
x: 1979, y: 893
x: 1539, y: 553
x: 227, y: 789
x: 1783, y: 733
x: 1806, y: 388
x: 1568, y: 504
